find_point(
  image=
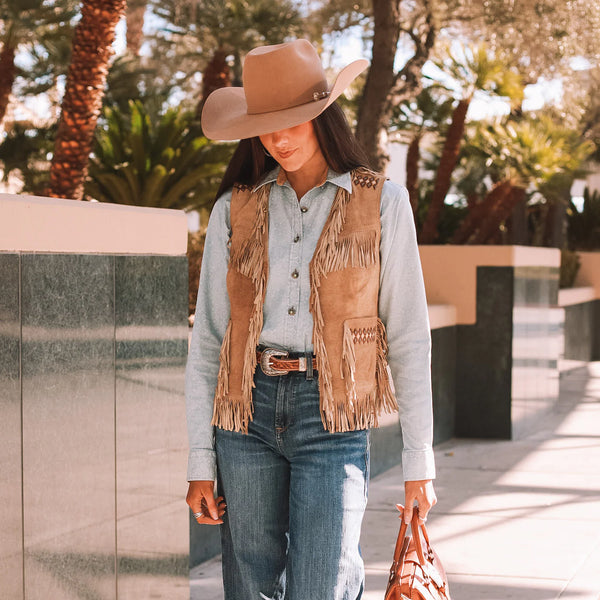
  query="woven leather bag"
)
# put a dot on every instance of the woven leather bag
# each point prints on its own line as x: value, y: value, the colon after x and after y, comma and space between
x: 417, y: 572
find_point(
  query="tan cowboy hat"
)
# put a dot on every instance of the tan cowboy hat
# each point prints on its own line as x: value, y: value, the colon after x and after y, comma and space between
x: 284, y: 86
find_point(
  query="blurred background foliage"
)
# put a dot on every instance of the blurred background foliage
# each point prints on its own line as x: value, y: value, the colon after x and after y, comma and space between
x: 498, y: 175
x: 165, y: 163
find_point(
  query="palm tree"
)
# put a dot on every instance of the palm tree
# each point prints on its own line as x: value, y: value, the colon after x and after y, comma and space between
x: 82, y: 102
x: 428, y: 113
x: 135, y: 13
x: 476, y: 70
x: 27, y: 27
x: 165, y: 163
x: 526, y: 156
x: 224, y: 29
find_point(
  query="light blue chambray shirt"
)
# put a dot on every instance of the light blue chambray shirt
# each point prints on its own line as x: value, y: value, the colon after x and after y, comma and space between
x: 294, y: 229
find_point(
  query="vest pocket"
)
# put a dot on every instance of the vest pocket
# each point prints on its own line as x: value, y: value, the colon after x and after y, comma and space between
x: 359, y: 356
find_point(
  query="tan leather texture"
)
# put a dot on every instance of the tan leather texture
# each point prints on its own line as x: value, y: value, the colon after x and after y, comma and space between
x: 417, y: 572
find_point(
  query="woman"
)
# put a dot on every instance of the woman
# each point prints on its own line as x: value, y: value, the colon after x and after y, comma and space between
x: 311, y: 305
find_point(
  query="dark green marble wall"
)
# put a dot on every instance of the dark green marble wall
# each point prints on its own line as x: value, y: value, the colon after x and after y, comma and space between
x: 507, y: 362
x: 92, y: 356
x: 582, y: 331
x: 443, y: 377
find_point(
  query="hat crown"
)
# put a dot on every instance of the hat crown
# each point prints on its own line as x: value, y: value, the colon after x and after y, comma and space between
x: 282, y: 76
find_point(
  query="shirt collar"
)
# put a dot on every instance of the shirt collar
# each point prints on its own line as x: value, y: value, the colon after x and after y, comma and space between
x: 277, y: 175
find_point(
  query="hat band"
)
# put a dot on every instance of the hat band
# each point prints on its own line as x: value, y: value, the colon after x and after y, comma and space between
x: 316, y: 97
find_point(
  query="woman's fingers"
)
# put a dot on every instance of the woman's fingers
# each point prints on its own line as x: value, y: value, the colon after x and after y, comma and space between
x: 211, y: 506
x: 204, y: 506
x: 421, y: 493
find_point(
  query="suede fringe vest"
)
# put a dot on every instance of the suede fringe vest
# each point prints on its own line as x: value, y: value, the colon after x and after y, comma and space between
x: 349, y: 340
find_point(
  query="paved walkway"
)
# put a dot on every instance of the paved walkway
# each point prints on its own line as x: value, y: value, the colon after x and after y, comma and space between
x: 515, y: 519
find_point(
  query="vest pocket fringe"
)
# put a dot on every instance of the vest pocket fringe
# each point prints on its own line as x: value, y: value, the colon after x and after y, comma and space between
x: 364, y: 359
x: 385, y: 385
x: 360, y: 353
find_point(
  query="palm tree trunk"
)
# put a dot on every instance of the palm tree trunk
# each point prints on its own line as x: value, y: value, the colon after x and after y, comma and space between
x: 499, y: 212
x: 373, y: 111
x: 92, y: 49
x: 429, y: 231
x: 384, y: 88
x: 136, y: 10
x: 413, y: 157
x: 215, y: 76
x: 555, y: 225
x: 8, y: 71
x: 477, y: 214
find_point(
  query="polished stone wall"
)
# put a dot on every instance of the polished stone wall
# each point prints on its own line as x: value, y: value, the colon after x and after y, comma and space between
x: 537, y: 345
x: 151, y: 440
x: 507, y: 371
x: 443, y: 377
x: 582, y: 331
x: 11, y: 513
x: 67, y: 379
x: 92, y: 355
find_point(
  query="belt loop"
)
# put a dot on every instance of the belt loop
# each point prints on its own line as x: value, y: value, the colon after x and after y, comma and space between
x: 309, y: 366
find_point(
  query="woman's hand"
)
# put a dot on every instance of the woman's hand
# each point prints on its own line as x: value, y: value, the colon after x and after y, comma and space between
x: 201, y: 499
x: 423, y: 494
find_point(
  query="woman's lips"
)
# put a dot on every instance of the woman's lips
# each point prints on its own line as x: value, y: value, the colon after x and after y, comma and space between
x: 286, y: 153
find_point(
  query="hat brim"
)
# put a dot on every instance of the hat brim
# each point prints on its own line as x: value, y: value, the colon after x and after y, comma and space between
x: 225, y: 116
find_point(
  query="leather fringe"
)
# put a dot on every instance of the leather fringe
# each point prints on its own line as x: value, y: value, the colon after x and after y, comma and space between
x: 324, y: 256
x: 223, y: 380
x: 348, y: 365
x: 249, y: 260
x: 387, y: 401
x: 363, y: 411
x: 358, y: 249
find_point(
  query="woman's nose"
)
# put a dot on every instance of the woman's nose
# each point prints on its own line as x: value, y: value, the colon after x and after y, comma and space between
x: 280, y: 138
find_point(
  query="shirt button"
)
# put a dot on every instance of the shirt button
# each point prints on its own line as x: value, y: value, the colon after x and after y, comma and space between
x: 291, y: 311
x: 303, y: 209
x: 296, y: 239
x: 295, y: 274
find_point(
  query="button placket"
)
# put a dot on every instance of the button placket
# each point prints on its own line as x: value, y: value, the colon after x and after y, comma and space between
x: 295, y: 257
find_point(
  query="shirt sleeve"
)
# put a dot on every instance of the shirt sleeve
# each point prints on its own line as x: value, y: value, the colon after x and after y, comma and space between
x: 210, y: 324
x: 403, y: 310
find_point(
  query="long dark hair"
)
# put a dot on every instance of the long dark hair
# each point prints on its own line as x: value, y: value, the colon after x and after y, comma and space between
x: 338, y: 144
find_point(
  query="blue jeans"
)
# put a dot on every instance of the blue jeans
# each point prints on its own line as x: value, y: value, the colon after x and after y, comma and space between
x: 296, y: 495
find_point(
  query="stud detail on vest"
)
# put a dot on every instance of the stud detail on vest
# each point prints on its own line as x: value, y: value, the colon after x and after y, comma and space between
x: 365, y: 179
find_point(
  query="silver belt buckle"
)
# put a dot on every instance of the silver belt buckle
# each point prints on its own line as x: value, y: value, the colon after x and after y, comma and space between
x: 265, y: 361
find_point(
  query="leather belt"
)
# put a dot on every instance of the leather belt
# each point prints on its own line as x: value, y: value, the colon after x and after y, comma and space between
x: 273, y: 362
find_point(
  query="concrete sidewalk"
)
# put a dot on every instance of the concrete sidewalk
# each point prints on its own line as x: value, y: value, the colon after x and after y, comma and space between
x: 515, y: 519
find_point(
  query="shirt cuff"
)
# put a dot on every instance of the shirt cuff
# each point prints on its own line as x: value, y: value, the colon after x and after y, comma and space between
x: 418, y: 464
x: 202, y: 465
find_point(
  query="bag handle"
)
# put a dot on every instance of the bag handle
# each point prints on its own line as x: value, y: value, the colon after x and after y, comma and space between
x: 415, y: 527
